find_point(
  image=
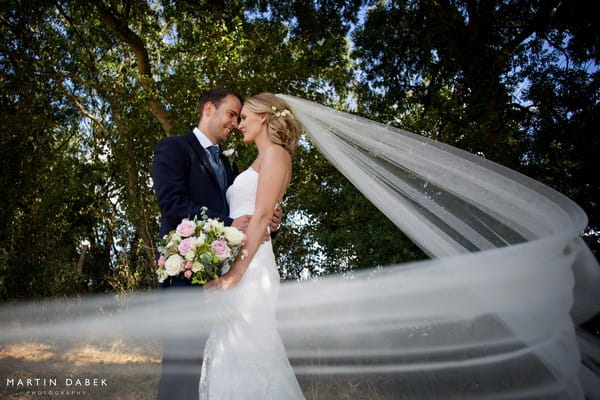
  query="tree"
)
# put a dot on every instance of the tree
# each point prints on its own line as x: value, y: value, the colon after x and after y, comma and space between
x: 50, y: 201
x: 112, y: 78
x: 508, y: 80
x: 563, y: 96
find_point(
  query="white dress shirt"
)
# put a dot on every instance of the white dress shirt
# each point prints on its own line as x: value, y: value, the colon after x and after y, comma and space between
x: 204, y: 141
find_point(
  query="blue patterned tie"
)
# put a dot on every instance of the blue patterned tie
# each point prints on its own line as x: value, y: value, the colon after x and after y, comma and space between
x: 217, y: 165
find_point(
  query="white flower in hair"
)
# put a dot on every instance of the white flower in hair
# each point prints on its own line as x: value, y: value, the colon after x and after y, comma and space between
x: 281, y: 113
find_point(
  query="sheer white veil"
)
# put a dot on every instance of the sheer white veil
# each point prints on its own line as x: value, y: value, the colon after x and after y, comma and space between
x: 509, y: 268
x: 492, y: 315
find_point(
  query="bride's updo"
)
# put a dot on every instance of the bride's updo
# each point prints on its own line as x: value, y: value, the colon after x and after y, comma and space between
x: 284, y: 129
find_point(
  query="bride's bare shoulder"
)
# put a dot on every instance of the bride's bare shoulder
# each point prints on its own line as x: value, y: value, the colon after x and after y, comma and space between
x: 276, y: 153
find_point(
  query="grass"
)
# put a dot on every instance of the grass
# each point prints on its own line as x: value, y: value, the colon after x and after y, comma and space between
x: 131, y: 371
x: 122, y: 370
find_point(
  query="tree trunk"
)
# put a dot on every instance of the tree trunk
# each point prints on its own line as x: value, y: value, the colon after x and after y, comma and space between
x: 137, y: 212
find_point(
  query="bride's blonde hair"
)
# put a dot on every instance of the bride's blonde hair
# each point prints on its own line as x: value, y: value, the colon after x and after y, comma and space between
x: 283, y: 128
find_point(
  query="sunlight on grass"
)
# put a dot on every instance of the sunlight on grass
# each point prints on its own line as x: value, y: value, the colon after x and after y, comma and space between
x: 115, y: 352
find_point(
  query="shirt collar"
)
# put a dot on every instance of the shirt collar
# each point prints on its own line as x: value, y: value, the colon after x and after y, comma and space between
x: 204, y: 141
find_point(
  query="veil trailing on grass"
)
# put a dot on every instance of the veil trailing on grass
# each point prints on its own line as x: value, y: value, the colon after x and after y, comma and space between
x: 490, y: 316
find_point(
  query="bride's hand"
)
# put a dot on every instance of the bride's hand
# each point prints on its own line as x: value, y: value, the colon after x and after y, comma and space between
x: 211, y: 285
x: 227, y: 281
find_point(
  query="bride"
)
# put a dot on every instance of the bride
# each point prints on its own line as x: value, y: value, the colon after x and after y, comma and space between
x: 244, y: 357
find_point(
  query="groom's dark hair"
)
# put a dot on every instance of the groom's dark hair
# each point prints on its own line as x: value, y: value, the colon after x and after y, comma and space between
x: 216, y: 96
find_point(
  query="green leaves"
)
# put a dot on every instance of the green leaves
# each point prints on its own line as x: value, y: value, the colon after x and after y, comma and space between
x: 86, y: 90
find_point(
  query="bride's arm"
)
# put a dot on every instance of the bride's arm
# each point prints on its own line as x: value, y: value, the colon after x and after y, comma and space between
x: 275, y: 171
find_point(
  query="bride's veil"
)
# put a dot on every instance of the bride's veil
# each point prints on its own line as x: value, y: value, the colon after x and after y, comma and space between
x: 509, y: 272
x: 491, y: 315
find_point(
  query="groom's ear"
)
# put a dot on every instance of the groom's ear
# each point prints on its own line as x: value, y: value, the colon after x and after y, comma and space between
x: 208, y: 109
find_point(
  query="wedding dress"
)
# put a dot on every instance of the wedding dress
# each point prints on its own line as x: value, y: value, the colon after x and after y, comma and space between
x: 244, y: 357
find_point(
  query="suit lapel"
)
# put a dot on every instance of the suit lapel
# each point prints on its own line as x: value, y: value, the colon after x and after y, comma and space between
x: 202, y: 156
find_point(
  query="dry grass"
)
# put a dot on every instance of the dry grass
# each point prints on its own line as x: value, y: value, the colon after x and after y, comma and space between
x: 130, y: 371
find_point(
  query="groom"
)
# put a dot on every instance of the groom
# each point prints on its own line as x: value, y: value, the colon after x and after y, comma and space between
x: 190, y: 173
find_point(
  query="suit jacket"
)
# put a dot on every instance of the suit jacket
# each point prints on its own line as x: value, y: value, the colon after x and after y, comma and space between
x: 184, y: 182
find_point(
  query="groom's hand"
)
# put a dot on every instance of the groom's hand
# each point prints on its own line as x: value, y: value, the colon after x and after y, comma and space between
x: 276, y: 219
x: 242, y: 222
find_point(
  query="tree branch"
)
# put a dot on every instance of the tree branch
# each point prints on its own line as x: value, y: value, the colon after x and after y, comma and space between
x: 82, y: 109
x: 84, y: 82
x: 538, y: 23
x: 120, y: 27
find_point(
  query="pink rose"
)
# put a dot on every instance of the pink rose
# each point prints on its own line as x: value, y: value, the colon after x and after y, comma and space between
x: 186, y: 228
x: 185, y: 246
x: 188, y: 265
x: 161, y: 261
x: 188, y: 273
x: 221, y: 249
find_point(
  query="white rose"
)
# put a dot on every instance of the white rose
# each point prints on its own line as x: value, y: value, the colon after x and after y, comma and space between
x: 173, y: 264
x: 189, y: 256
x: 197, y: 266
x: 233, y: 235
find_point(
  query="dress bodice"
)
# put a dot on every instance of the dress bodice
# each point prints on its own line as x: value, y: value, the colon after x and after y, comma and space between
x: 241, y: 195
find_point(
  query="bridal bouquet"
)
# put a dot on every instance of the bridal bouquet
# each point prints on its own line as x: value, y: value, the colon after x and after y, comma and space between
x: 198, y: 250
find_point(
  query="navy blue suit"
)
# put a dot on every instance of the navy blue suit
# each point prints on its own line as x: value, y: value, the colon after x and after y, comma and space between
x: 184, y: 182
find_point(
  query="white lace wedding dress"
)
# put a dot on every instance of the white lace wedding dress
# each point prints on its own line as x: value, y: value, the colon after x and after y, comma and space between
x: 244, y: 357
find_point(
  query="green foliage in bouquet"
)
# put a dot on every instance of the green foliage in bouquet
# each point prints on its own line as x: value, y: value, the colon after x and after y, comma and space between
x: 199, y: 250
